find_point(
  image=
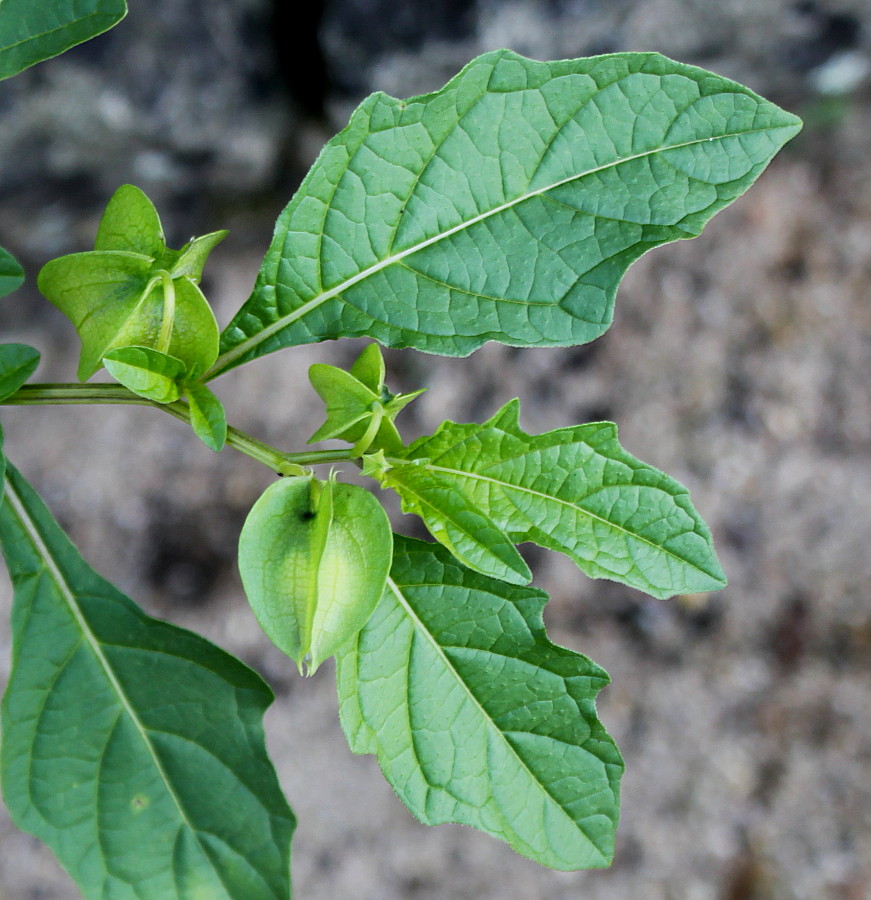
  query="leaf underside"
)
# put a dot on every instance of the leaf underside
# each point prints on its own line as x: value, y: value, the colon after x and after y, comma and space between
x: 476, y: 717
x: 133, y: 748
x: 574, y: 490
x: 31, y: 32
x: 506, y: 206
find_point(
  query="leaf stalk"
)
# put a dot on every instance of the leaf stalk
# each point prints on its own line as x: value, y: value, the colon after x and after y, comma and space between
x: 279, y: 461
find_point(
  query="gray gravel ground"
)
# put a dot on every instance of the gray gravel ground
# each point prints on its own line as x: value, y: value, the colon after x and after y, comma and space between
x: 738, y: 362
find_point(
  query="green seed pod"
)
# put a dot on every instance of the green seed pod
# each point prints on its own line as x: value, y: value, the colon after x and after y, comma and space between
x: 314, y: 558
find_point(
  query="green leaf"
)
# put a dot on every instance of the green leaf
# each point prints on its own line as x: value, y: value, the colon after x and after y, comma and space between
x: 506, y: 206
x: 11, y: 273
x: 574, y: 490
x: 454, y: 520
x: 208, y: 419
x: 130, y: 223
x: 31, y: 32
x: 476, y: 717
x: 314, y: 558
x: 133, y: 748
x: 17, y: 363
x: 147, y: 372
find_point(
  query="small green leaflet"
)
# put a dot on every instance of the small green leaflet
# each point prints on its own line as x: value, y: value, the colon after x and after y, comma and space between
x: 149, y: 373
x: 133, y: 748
x: 573, y: 490
x: 476, y: 717
x: 31, y: 32
x: 208, y: 418
x: 506, y: 206
x: 11, y: 273
x: 17, y: 363
x: 134, y: 291
x: 314, y: 557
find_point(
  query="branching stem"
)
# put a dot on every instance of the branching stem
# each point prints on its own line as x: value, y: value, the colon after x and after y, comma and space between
x: 102, y: 394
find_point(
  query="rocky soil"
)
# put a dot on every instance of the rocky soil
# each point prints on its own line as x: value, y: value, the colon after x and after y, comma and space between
x: 739, y: 362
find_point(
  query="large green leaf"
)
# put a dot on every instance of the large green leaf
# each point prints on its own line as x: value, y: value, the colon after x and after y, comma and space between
x: 11, y: 273
x: 476, y: 717
x: 574, y: 490
x: 134, y: 749
x: 506, y: 206
x: 34, y: 30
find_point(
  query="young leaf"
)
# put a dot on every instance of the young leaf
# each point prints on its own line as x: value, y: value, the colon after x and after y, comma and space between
x: 476, y: 717
x: 146, y: 372
x: 11, y: 273
x: 130, y: 223
x: 506, y: 206
x: 133, y: 748
x: 314, y: 558
x: 17, y: 363
x: 208, y: 419
x: 574, y: 490
x: 32, y: 32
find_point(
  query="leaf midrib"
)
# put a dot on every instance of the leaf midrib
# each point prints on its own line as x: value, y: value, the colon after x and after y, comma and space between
x: 420, y: 626
x: 42, y: 550
x: 279, y: 324
x: 554, y: 499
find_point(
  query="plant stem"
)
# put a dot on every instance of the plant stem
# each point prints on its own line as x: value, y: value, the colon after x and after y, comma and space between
x: 102, y: 394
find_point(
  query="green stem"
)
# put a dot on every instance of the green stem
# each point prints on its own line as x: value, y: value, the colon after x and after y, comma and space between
x: 101, y: 394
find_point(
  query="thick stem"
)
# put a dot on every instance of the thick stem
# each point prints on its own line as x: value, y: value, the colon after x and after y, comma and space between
x: 101, y: 394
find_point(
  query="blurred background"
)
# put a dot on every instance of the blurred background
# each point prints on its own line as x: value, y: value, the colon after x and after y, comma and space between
x: 738, y: 362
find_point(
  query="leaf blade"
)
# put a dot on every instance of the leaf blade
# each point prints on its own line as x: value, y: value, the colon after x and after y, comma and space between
x: 31, y: 33
x: 147, y: 372
x: 17, y: 363
x: 578, y: 492
x: 431, y: 686
x: 11, y: 273
x: 125, y: 737
x: 208, y: 417
x: 473, y: 214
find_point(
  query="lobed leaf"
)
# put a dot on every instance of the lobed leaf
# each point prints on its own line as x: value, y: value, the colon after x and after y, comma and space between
x: 17, y: 363
x: 506, y: 206
x: 133, y: 748
x: 11, y: 273
x: 574, y: 490
x: 31, y: 32
x: 476, y: 717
